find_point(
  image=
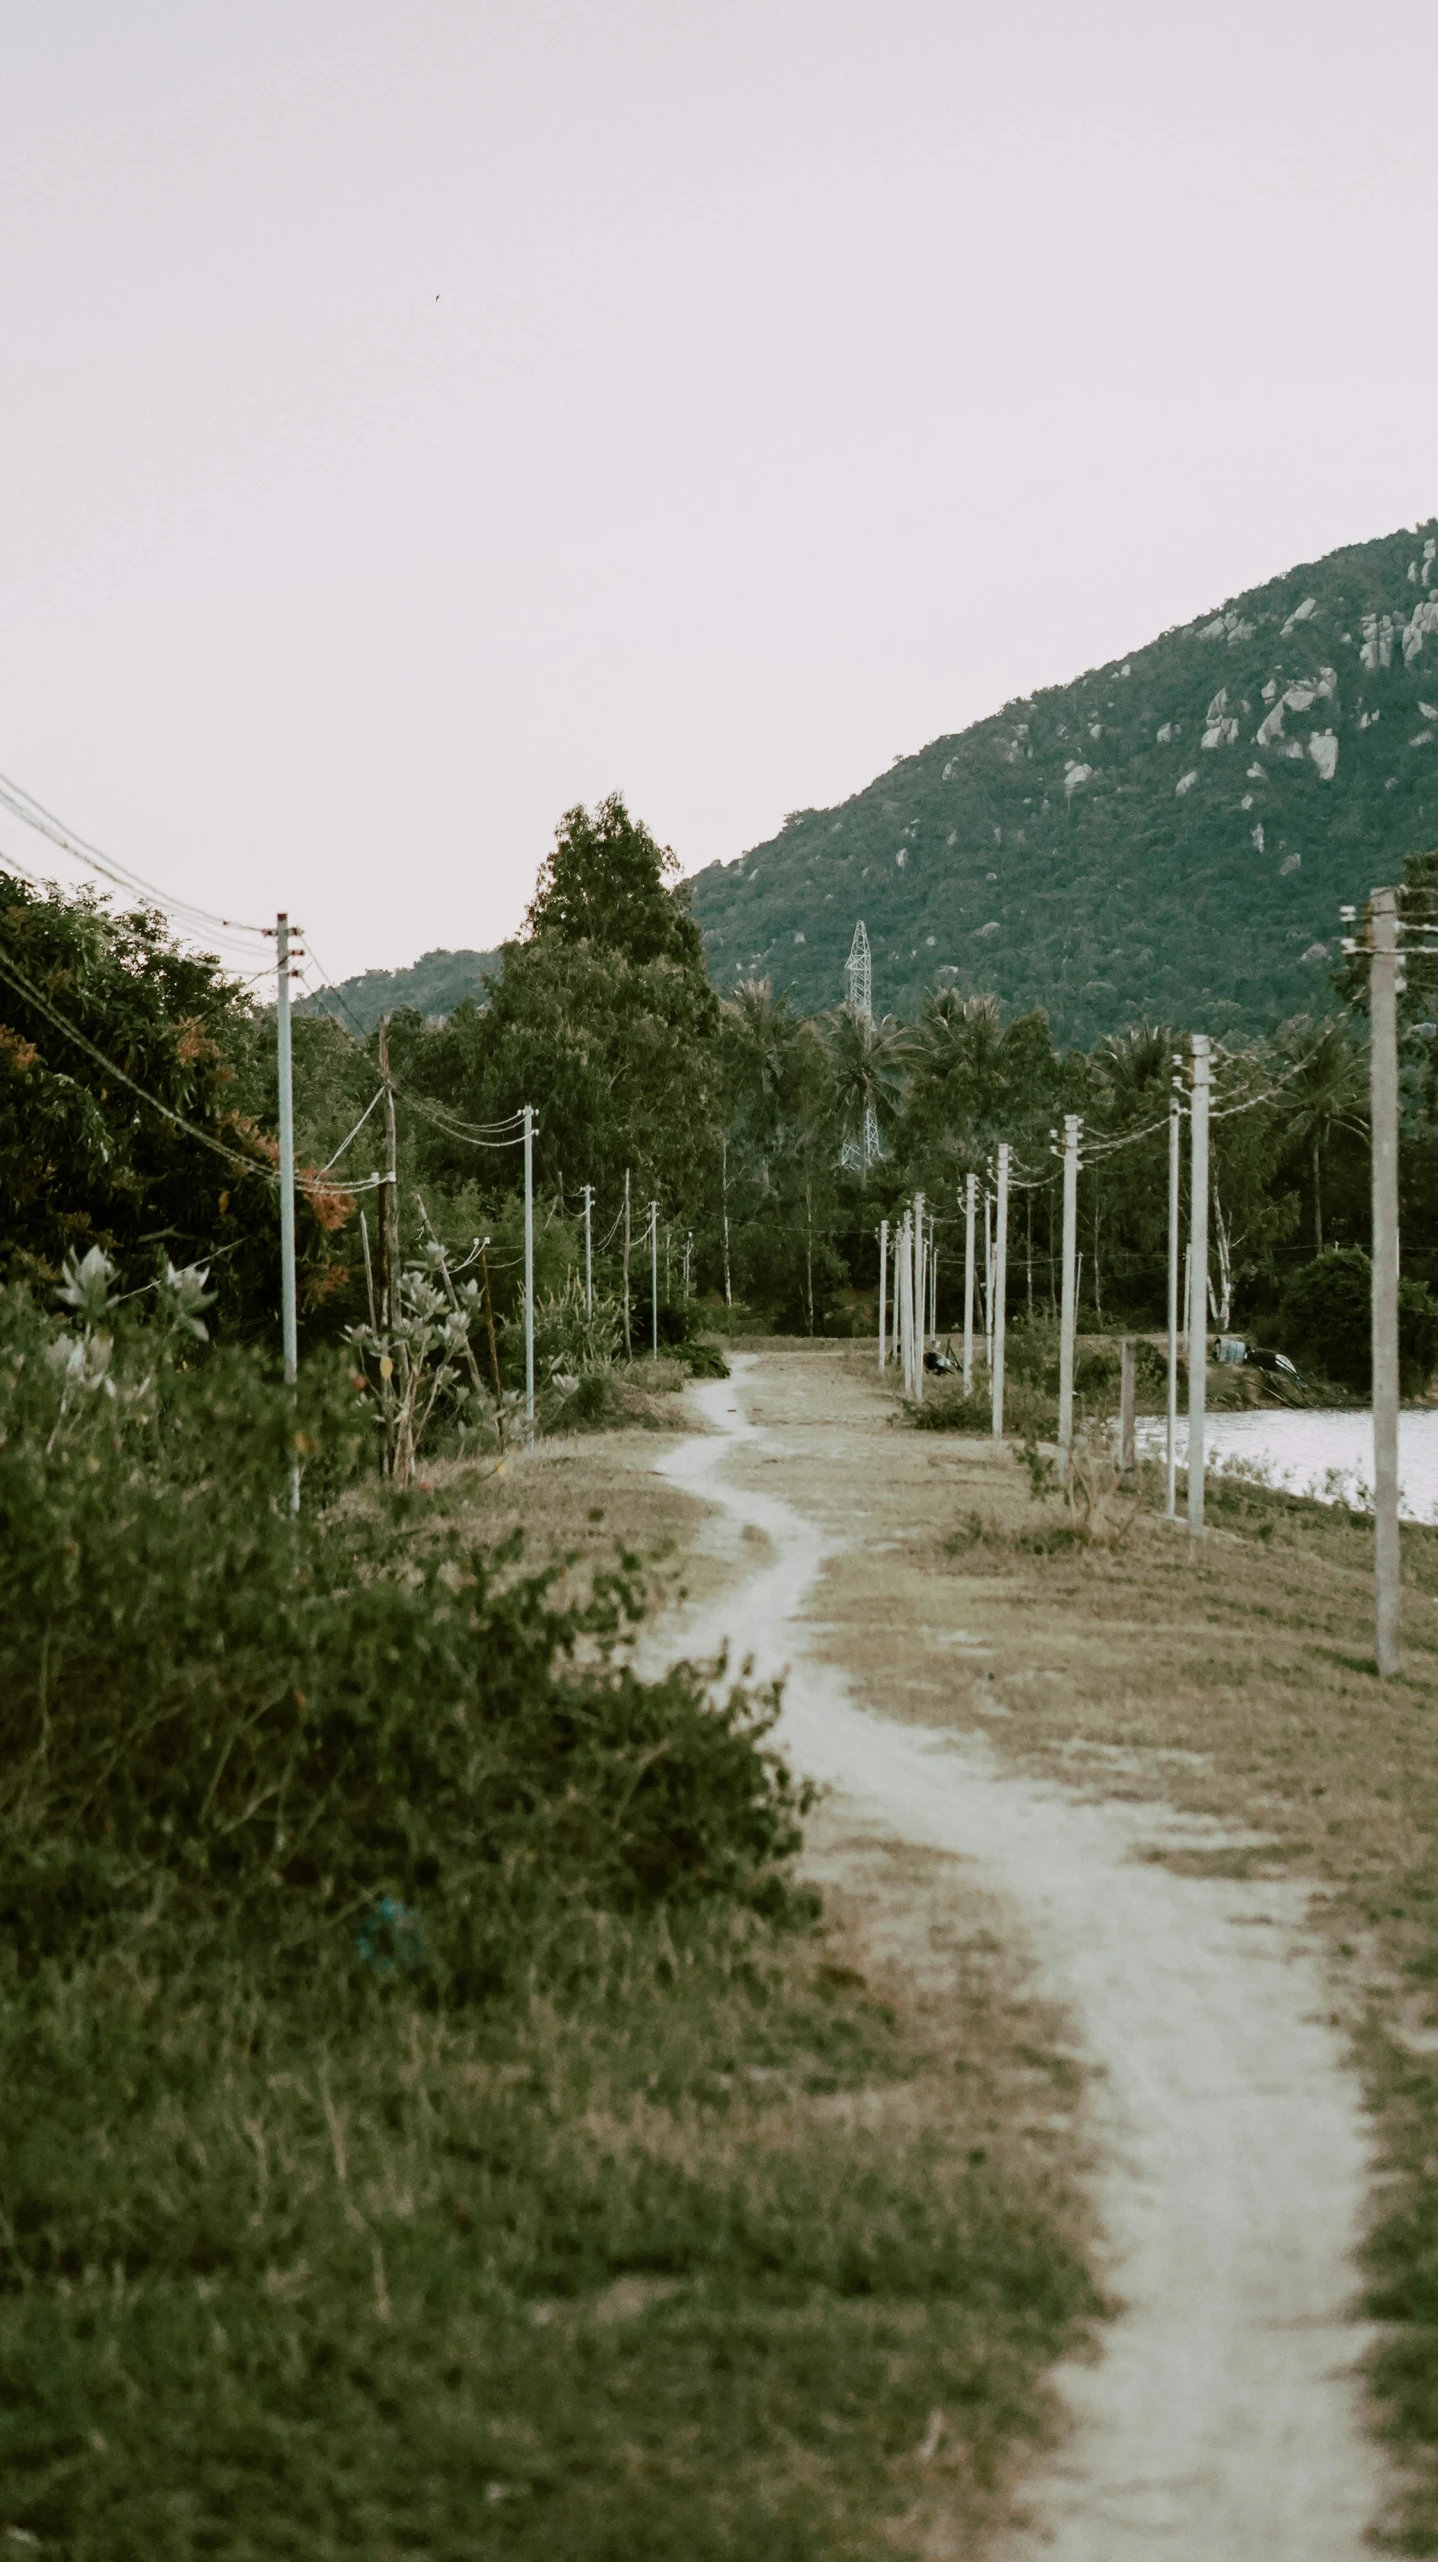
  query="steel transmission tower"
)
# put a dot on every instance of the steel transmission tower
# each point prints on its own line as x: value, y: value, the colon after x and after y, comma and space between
x: 859, y: 1154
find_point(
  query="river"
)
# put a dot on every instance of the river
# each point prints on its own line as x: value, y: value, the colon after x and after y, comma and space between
x: 1316, y: 1451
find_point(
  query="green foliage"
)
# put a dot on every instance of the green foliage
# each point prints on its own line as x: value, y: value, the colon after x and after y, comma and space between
x: 433, y: 986
x: 604, y: 884
x: 220, y: 1718
x: 1325, y: 1317
x: 1048, y: 857
x: 84, y: 1159
x: 568, y: 1338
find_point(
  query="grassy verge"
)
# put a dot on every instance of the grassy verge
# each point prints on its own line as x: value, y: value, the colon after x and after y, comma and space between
x: 603, y: 2201
x: 679, y: 2262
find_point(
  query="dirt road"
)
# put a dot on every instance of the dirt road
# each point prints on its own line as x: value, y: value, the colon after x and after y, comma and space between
x: 1222, y: 2423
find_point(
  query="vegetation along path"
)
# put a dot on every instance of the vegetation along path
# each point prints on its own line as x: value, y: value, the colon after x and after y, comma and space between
x: 1222, y: 2415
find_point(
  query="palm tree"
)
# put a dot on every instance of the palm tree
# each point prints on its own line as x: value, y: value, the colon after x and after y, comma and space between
x: 1324, y: 1092
x: 957, y: 1054
x: 866, y: 1068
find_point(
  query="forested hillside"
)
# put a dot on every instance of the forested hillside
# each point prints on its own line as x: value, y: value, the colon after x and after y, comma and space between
x: 434, y: 985
x: 1171, y: 835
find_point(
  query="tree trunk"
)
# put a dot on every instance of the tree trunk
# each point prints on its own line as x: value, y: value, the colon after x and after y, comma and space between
x: 724, y: 1162
x: 1317, y: 1201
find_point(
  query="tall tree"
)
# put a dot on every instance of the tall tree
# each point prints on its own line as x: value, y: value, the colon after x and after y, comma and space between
x: 1323, y: 1090
x: 606, y: 883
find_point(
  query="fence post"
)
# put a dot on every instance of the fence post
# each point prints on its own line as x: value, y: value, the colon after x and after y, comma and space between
x: 1127, y: 1437
x: 883, y: 1290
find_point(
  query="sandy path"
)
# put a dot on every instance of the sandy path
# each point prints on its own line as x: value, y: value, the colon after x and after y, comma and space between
x: 1221, y: 2423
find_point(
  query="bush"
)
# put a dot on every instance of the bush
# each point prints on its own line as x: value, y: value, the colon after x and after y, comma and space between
x: 222, y: 1718
x: 1325, y: 1322
x: 569, y: 1338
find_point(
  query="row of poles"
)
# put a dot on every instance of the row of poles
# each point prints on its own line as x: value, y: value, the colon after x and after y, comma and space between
x: 287, y: 951
x: 904, y: 1339
x: 915, y: 1261
x: 903, y: 1336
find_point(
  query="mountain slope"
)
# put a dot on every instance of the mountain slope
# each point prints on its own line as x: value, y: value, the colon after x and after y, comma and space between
x: 435, y: 984
x: 1170, y: 835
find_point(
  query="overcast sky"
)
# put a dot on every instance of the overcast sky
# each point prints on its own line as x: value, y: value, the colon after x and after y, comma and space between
x: 418, y: 417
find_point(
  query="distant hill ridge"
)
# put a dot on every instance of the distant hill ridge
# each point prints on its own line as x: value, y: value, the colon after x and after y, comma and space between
x: 434, y: 985
x: 1172, y: 834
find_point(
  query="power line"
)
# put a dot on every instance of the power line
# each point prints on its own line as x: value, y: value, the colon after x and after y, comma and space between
x: 32, y: 813
x: 25, y: 987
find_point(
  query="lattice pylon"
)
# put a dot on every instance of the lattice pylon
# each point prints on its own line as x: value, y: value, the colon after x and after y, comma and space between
x: 859, y: 973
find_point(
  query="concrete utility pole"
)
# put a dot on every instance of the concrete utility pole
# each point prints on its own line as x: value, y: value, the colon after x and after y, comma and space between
x: 921, y: 1280
x: 908, y: 1310
x: 654, y: 1276
x: 1198, y: 1281
x: 988, y: 1276
x: 628, y: 1346
x: 1175, y: 1116
x: 1383, y: 986
x: 289, y: 1320
x: 1127, y: 1400
x: 883, y: 1289
x: 1068, y: 1291
x: 1001, y: 1283
x: 289, y: 1316
x: 589, y: 1249
x: 971, y: 1182
x: 529, y: 1268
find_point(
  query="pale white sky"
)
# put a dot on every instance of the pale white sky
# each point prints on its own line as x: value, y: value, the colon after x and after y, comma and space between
x: 418, y: 417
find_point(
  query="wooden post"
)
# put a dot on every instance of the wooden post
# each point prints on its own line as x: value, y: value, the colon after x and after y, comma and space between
x: 1128, y: 1380
x: 1198, y: 1282
x: 1383, y: 1069
x: 1068, y: 1291
x: 1001, y: 1282
x: 883, y: 1289
x: 970, y: 1206
x: 724, y: 1188
x: 589, y: 1249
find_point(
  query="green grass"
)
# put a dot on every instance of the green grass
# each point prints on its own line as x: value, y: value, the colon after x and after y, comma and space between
x: 678, y: 2265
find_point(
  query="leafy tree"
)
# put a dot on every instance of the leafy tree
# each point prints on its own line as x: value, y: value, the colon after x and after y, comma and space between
x: 121, y: 1122
x: 604, y: 884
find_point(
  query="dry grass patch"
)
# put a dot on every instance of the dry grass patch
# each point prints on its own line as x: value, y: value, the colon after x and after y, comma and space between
x: 1233, y: 1680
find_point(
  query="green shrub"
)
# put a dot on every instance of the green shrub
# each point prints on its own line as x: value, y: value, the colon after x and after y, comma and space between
x: 570, y: 1338
x: 219, y: 1716
x: 1325, y: 1322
